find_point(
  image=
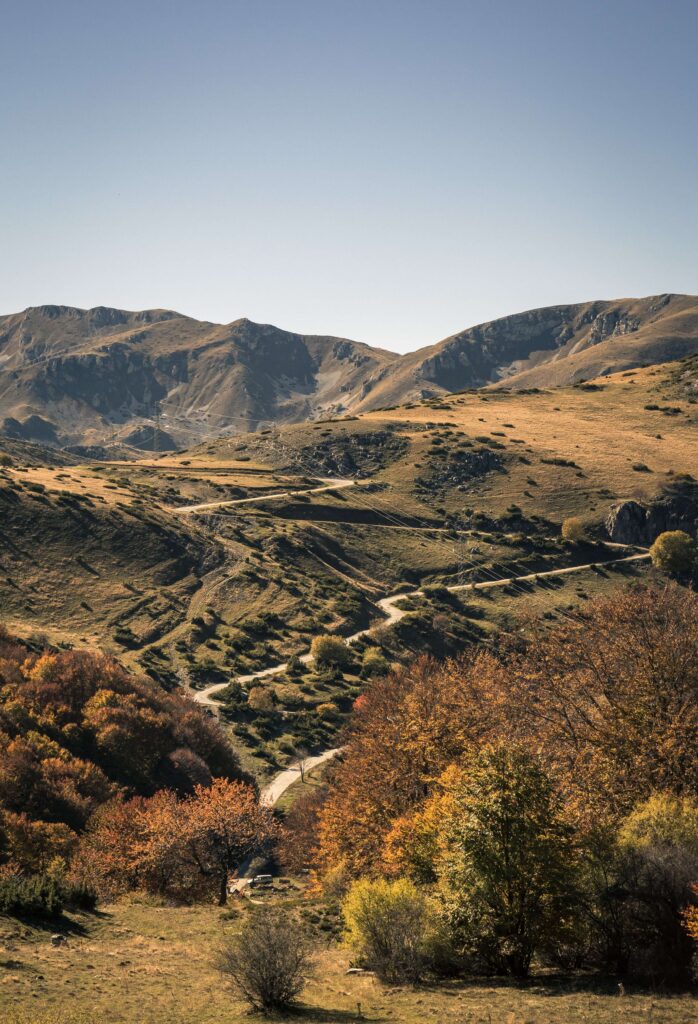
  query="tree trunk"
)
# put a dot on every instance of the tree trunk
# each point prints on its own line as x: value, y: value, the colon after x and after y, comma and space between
x: 223, y: 891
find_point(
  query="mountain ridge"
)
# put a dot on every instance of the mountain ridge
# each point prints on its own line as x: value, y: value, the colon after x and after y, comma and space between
x: 157, y: 378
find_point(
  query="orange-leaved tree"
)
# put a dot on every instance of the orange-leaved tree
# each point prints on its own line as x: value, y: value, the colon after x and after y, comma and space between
x: 225, y: 825
x: 406, y: 730
x: 178, y: 848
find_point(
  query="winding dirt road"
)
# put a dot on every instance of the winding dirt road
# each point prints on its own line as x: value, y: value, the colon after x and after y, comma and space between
x: 275, y: 789
x: 393, y: 614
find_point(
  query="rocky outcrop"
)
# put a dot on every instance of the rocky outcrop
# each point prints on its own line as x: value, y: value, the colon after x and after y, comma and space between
x: 630, y: 522
x: 626, y: 523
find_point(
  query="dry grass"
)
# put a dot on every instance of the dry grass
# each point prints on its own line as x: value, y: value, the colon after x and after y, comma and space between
x: 140, y: 964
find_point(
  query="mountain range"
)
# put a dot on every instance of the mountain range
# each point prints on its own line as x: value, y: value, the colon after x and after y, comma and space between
x: 106, y: 379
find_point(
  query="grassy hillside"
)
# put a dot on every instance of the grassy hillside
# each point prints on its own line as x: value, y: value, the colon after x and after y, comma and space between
x: 202, y: 566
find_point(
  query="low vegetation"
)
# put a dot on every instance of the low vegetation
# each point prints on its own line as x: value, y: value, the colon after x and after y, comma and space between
x: 268, y: 961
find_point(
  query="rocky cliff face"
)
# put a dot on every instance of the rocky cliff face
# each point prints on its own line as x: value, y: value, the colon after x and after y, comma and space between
x: 544, y: 347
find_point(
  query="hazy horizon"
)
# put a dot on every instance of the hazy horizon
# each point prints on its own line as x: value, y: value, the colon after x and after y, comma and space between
x: 388, y: 172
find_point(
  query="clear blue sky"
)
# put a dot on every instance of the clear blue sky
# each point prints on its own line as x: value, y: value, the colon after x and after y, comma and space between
x: 386, y: 170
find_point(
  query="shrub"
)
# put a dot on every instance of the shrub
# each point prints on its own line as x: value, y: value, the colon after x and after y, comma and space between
x: 326, y: 710
x: 37, y: 896
x: 374, y: 663
x: 674, y: 551
x: 573, y: 529
x: 294, y: 666
x: 268, y: 961
x: 43, y: 896
x: 260, y: 698
x: 330, y: 651
x: 388, y: 926
x: 658, y: 865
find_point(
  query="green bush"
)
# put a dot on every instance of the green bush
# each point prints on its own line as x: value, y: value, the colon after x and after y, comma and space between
x: 374, y: 663
x: 330, y: 651
x: 294, y: 666
x: 36, y: 896
x: 674, y: 551
x: 390, y: 927
x: 43, y: 897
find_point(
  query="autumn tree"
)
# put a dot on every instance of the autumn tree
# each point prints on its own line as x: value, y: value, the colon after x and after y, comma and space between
x: 507, y: 865
x: 33, y: 845
x: 298, y: 839
x: 609, y: 696
x: 76, y: 729
x: 177, y: 848
x: 407, y: 728
x: 225, y: 825
x: 411, y: 847
x: 612, y: 696
x: 109, y: 853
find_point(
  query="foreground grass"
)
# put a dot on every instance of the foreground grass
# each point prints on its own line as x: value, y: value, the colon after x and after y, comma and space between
x: 141, y: 964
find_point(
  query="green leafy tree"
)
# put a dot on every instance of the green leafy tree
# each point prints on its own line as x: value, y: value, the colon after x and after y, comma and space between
x: 507, y: 867
x: 674, y: 552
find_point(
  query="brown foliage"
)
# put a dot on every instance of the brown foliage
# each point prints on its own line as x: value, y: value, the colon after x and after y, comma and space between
x: 76, y: 730
x: 613, y: 697
x: 297, y: 846
x: 183, y: 849
x: 609, y: 700
x: 407, y: 728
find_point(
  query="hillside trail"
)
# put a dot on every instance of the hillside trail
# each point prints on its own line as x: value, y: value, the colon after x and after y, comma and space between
x: 329, y: 484
x: 274, y: 790
x: 270, y: 795
x: 393, y: 614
